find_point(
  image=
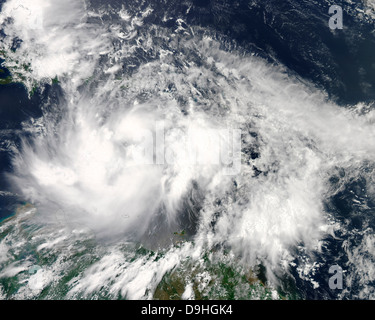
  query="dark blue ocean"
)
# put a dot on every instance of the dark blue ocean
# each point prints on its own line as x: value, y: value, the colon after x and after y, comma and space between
x: 290, y: 33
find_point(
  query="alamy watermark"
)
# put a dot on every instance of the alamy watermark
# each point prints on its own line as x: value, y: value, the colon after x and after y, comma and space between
x: 188, y: 147
x: 32, y: 16
x: 335, y: 281
x: 335, y: 21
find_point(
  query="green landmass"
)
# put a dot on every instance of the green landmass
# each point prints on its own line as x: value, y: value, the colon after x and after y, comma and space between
x: 6, y: 80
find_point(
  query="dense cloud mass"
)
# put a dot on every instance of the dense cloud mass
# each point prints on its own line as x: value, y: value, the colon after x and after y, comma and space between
x: 160, y: 129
